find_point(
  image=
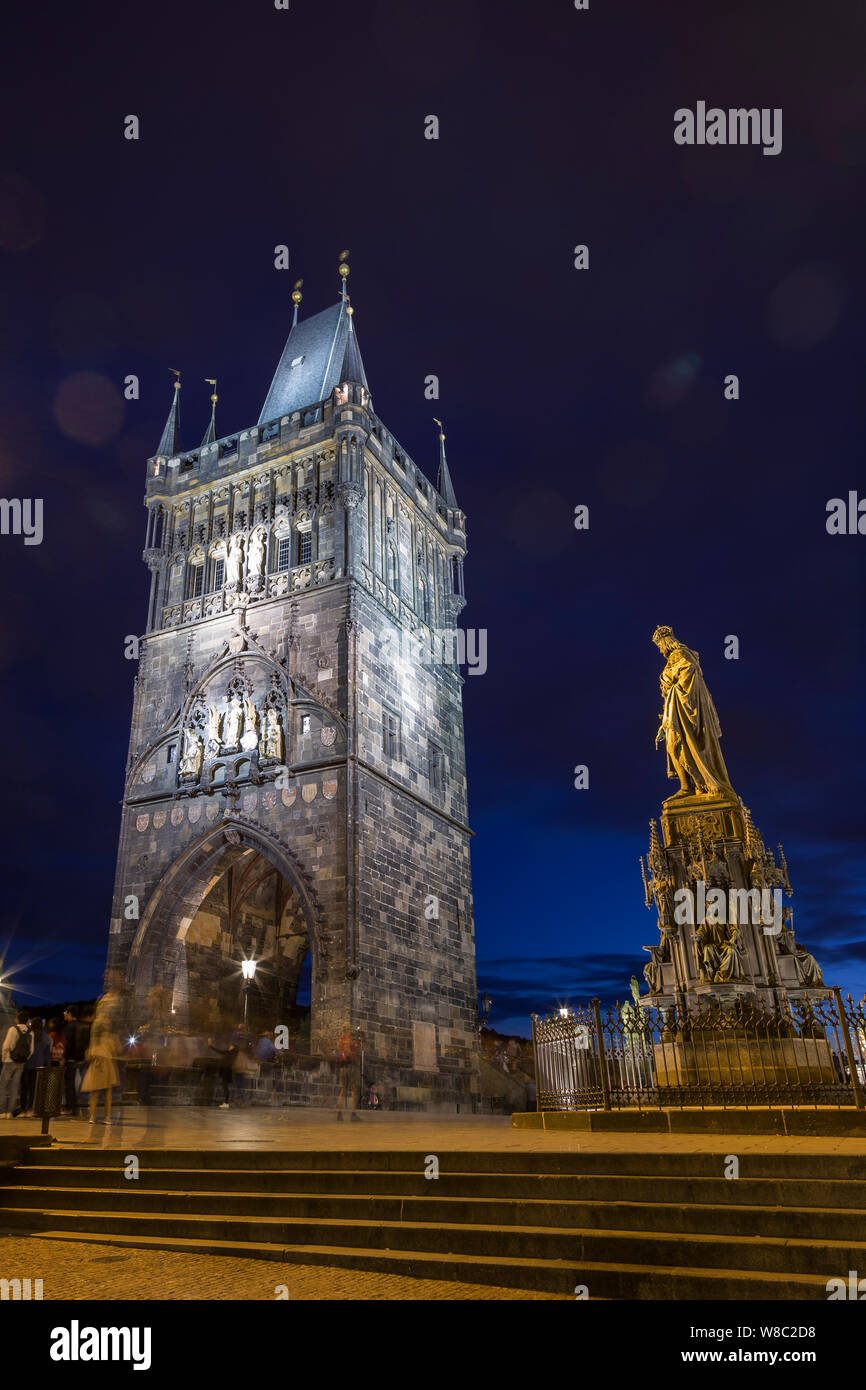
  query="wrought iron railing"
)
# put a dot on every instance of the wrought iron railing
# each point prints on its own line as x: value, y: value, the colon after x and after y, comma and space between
x: 802, y: 1052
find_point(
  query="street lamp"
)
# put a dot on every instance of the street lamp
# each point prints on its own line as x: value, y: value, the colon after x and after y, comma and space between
x: 248, y: 970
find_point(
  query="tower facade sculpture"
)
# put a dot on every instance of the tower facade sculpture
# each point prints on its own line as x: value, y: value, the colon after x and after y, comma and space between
x: 296, y: 782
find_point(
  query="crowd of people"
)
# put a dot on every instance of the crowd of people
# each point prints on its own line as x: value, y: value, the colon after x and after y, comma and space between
x: 94, y: 1049
x: 85, y: 1047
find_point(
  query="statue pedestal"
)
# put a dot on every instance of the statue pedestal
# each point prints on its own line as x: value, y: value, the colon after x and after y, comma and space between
x: 726, y: 1065
x: 717, y: 817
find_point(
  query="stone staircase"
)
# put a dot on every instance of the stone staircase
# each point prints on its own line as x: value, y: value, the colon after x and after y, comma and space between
x: 627, y: 1225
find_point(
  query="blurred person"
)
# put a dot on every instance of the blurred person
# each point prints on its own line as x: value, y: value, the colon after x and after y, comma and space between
x: 264, y: 1050
x: 227, y: 1050
x: 85, y: 1023
x: 57, y: 1041
x: 39, y: 1057
x: 102, y: 1053
x: 73, y: 1054
x: 347, y: 1061
x: 17, y: 1046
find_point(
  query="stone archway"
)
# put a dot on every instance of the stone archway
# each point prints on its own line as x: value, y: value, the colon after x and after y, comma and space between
x: 201, y: 921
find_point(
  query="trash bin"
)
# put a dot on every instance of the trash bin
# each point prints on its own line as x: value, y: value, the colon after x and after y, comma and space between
x: 48, y: 1099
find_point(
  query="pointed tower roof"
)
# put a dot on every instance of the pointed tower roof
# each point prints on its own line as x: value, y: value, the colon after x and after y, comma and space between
x: 169, y: 444
x: 352, y: 367
x: 320, y: 353
x: 210, y: 432
x: 313, y: 361
x: 444, y: 485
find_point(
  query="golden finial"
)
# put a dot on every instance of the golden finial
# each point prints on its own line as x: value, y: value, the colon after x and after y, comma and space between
x: 211, y: 381
x: 177, y: 374
x: 296, y: 292
x: 343, y: 268
x: 441, y: 427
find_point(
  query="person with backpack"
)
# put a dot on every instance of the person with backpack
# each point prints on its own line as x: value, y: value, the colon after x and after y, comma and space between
x: 17, y: 1046
x: 40, y: 1056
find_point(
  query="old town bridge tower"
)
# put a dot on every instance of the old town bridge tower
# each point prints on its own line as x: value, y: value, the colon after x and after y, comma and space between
x: 296, y: 787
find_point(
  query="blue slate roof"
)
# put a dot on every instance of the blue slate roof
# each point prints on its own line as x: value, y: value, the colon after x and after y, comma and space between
x: 169, y: 443
x: 317, y: 346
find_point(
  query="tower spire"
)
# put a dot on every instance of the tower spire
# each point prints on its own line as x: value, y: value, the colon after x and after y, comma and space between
x: 210, y: 432
x: 169, y: 444
x: 352, y: 369
x: 444, y: 484
x: 296, y: 300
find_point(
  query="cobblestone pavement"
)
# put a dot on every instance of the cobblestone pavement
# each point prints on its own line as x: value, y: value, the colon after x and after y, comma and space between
x: 73, y: 1270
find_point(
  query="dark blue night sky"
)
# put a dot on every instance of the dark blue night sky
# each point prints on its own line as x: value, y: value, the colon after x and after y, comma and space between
x: 558, y: 387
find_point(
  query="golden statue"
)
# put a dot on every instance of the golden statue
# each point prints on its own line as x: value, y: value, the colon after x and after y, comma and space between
x: 689, y: 722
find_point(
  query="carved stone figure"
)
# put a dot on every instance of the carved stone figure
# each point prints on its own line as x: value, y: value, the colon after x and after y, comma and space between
x: 214, y: 720
x: 808, y: 968
x: 250, y: 738
x: 193, y: 754
x: 255, y: 560
x: 652, y: 971
x: 234, y: 562
x: 273, y: 736
x: 689, y: 723
x: 232, y: 723
x: 709, y: 944
x: 730, y: 962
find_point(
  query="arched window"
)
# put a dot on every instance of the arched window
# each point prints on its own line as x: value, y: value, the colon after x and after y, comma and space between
x: 392, y: 568
x: 195, y: 580
x: 423, y: 599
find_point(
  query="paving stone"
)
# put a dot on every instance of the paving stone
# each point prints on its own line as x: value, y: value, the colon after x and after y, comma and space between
x: 73, y: 1270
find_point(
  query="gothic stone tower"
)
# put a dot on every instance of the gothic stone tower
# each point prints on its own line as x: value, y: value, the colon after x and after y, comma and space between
x: 296, y: 779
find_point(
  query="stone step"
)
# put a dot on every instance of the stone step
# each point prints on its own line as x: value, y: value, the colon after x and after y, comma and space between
x: 647, y: 1188
x: 793, y: 1166
x: 603, y: 1280
x: 663, y: 1250
x: 136, y: 1196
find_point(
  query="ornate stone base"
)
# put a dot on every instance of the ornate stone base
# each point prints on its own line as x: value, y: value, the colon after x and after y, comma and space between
x: 769, y: 1067
x: 718, y: 818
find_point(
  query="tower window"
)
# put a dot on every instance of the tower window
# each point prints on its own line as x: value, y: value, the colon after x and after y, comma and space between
x: 197, y: 581
x: 305, y: 723
x: 171, y: 753
x: 455, y: 575
x: 390, y: 735
x: 284, y: 554
x: 305, y: 548
x: 219, y: 574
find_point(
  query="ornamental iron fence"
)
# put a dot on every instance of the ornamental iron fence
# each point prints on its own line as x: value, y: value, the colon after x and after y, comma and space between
x: 805, y: 1051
